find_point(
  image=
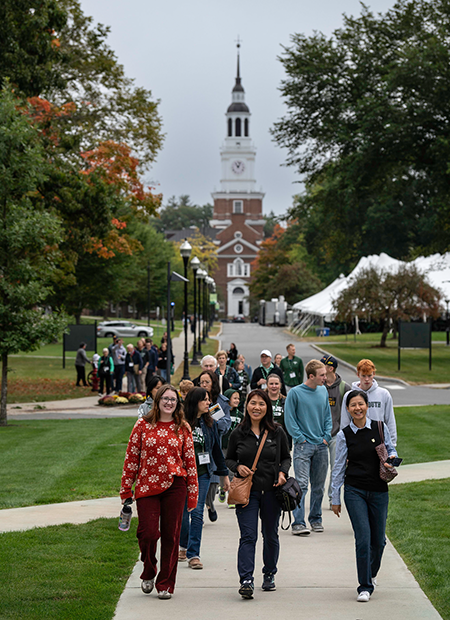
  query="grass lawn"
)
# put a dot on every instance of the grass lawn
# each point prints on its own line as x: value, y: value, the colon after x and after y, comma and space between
x: 66, y: 571
x: 414, y: 362
x: 423, y: 433
x: 53, y: 461
x: 419, y: 526
x: 372, y: 338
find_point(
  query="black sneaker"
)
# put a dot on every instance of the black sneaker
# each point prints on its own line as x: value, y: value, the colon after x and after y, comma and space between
x: 246, y: 589
x: 268, y: 583
x: 212, y: 514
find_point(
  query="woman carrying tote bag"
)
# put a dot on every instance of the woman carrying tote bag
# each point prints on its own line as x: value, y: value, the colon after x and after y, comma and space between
x: 242, y: 449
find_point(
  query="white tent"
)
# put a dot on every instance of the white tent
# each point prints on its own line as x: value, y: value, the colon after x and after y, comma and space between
x: 436, y: 267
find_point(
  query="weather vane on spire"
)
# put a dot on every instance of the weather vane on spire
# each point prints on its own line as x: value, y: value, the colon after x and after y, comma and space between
x: 238, y: 42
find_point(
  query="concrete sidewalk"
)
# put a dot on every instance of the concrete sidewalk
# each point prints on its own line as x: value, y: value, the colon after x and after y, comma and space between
x: 316, y: 578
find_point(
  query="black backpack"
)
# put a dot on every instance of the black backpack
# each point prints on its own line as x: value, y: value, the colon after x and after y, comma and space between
x: 290, y: 494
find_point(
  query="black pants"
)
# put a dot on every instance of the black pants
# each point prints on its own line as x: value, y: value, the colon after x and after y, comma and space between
x: 105, y: 379
x: 81, y: 375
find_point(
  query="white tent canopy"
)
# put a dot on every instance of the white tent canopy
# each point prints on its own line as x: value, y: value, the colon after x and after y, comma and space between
x: 436, y: 267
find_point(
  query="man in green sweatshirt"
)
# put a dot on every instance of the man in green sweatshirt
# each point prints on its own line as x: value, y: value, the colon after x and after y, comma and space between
x: 307, y: 416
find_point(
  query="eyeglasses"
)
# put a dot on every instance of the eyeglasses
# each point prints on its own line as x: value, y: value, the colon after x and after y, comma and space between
x: 168, y: 401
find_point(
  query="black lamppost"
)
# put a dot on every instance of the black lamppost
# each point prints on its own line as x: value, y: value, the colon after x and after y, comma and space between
x: 205, y: 291
x: 195, y: 263
x: 148, y: 293
x: 185, y: 251
x: 172, y: 276
x: 201, y: 275
x: 447, y: 301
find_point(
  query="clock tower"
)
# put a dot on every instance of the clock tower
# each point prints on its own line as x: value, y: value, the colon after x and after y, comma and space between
x: 237, y: 206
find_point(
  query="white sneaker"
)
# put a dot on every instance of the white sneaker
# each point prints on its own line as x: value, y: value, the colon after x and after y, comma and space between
x: 164, y: 594
x: 374, y: 582
x: 363, y: 597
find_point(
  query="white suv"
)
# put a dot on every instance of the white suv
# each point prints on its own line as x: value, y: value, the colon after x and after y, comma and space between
x: 123, y: 329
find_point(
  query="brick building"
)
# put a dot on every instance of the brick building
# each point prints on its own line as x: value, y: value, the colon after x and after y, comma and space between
x: 237, y: 207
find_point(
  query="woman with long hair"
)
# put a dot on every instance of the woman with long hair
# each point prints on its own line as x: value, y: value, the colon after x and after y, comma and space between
x: 232, y: 353
x: 366, y: 496
x: 207, y: 452
x: 160, y: 459
x: 220, y: 410
x: 272, y: 468
x: 278, y: 401
x: 225, y: 371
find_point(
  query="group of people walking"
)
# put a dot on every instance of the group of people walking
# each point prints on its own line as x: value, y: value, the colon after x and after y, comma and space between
x: 185, y: 447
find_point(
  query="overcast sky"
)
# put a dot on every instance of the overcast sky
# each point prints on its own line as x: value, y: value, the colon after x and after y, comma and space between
x: 184, y: 51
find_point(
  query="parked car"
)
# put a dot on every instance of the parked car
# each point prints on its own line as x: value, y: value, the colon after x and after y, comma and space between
x: 123, y: 329
x: 239, y: 318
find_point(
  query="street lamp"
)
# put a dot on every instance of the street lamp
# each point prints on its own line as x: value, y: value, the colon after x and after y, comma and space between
x: 209, y: 282
x: 205, y: 292
x: 447, y: 301
x: 201, y: 275
x: 195, y: 264
x: 185, y: 251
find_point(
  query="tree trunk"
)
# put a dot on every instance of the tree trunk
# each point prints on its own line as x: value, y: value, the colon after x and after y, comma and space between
x: 4, y: 393
x: 384, y: 333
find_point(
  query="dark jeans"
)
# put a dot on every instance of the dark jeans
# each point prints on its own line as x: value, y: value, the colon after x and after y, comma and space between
x: 119, y: 371
x: 265, y: 505
x: 368, y: 512
x: 160, y: 517
x: 105, y: 379
x: 192, y: 527
x: 81, y: 375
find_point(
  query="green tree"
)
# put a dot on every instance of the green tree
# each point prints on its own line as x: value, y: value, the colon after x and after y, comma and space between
x: 29, y: 239
x: 387, y: 297
x: 367, y: 125
x: 181, y: 213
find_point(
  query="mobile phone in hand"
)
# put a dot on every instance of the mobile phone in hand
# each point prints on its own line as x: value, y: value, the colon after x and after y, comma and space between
x: 394, y: 461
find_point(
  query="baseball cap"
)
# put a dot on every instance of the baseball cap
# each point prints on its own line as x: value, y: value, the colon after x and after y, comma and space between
x: 266, y: 352
x: 329, y: 360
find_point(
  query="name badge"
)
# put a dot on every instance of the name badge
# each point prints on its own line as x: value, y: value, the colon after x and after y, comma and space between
x: 263, y: 386
x: 203, y: 458
x: 130, y: 364
x: 292, y: 375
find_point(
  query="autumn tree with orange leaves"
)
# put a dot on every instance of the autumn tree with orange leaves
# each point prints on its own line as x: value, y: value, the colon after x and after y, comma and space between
x: 281, y: 267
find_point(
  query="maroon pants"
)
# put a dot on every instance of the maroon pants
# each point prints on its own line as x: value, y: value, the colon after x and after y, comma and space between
x: 160, y: 517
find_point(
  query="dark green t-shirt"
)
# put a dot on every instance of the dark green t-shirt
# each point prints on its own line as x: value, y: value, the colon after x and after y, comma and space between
x: 292, y: 370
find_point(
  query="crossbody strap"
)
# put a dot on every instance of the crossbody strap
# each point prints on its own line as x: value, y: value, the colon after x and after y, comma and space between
x: 381, y: 430
x: 261, y: 445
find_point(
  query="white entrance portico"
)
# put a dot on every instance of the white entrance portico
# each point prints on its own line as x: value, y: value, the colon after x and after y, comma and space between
x: 237, y: 292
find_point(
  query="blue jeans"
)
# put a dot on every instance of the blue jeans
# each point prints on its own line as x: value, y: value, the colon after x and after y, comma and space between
x: 265, y: 505
x: 310, y: 465
x: 192, y: 524
x: 131, y: 378
x: 368, y: 512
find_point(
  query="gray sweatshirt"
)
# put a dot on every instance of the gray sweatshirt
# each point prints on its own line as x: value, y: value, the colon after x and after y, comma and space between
x: 335, y: 396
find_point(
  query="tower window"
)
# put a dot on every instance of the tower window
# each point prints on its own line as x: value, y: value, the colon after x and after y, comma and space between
x: 237, y: 133
x: 230, y: 127
x: 246, y: 127
x: 238, y: 206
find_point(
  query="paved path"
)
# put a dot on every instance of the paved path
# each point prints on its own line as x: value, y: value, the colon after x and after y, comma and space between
x: 251, y: 338
x: 316, y: 578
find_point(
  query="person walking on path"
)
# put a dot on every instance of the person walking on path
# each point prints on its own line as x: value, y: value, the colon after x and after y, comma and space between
x: 307, y: 417
x: 357, y: 467
x: 223, y: 371
x: 247, y: 368
x: 160, y: 458
x: 236, y: 417
x: 209, y: 362
x: 152, y: 389
x: 381, y: 406
x: 232, y: 354
x: 120, y: 354
x: 336, y: 387
x: 278, y: 401
x: 292, y: 368
x: 242, y: 448
x: 220, y: 411
x: 205, y: 433
x: 260, y: 374
x: 80, y: 364
x: 244, y: 380
x: 105, y: 371
x: 150, y: 360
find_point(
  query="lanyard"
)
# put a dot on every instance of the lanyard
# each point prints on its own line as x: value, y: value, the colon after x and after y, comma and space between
x: 265, y: 373
x: 274, y: 406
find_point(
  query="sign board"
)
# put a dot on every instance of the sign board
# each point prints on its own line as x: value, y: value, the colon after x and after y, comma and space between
x: 414, y: 336
x: 78, y: 334
x: 213, y: 298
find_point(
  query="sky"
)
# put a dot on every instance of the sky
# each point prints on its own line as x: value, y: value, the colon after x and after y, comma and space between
x: 185, y: 53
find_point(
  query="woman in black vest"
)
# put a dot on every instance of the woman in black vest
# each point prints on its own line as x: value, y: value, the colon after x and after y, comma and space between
x: 366, y: 497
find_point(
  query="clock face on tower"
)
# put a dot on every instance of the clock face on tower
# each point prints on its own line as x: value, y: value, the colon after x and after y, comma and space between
x: 238, y: 167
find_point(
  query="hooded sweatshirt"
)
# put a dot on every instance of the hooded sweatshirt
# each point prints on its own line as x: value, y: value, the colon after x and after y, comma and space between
x: 380, y: 408
x: 335, y: 399
x: 307, y: 414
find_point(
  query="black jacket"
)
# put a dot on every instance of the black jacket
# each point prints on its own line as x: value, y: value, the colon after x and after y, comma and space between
x: 242, y: 449
x: 258, y: 374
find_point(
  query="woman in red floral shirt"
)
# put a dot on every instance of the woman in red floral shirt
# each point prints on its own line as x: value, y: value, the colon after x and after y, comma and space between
x: 160, y: 458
